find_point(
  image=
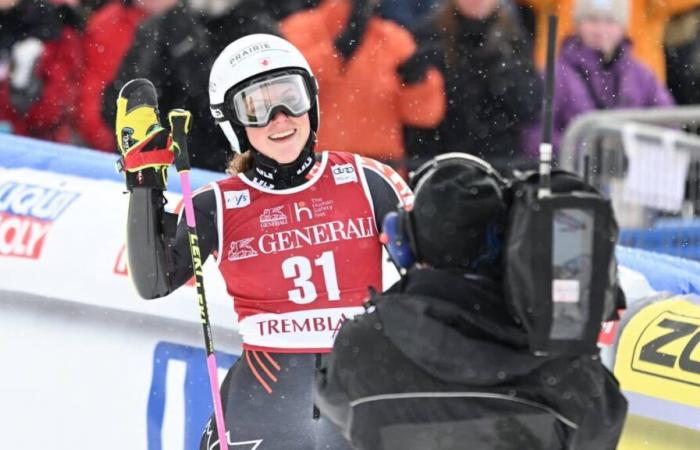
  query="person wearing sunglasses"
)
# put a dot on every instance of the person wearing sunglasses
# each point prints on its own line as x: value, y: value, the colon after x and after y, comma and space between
x: 294, y: 230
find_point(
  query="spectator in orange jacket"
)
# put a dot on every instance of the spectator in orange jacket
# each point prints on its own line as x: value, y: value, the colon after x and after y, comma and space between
x: 648, y: 19
x: 108, y: 35
x: 371, y: 81
x: 39, y: 53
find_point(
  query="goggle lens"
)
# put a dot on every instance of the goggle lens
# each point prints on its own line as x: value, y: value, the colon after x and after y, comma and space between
x: 254, y: 105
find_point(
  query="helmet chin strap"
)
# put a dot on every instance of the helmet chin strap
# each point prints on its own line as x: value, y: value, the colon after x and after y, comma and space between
x: 269, y: 173
x: 230, y: 136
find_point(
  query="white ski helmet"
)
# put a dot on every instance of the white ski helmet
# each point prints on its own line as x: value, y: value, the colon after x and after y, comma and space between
x: 245, y: 60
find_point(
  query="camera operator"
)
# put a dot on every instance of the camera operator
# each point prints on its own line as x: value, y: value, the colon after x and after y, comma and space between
x: 440, y: 361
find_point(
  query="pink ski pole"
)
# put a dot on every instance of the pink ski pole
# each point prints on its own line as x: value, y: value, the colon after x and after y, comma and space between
x: 180, y: 124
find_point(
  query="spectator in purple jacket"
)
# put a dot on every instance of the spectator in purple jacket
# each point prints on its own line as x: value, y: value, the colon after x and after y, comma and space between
x: 596, y: 69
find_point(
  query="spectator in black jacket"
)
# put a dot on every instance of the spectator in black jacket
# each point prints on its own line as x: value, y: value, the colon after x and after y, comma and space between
x: 407, y: 12
x: 491, y: 82
x: 175, y: 52
x: 683, y: 57
x: 282, y: 9
x: 438, y: 361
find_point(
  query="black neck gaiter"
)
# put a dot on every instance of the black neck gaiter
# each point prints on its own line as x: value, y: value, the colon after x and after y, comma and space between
x: 268, y: 173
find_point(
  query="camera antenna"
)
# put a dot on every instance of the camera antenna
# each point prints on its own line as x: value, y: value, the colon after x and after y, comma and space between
x: 545, y: 187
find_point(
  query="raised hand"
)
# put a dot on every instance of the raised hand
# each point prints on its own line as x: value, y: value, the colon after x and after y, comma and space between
x: 146, y: 147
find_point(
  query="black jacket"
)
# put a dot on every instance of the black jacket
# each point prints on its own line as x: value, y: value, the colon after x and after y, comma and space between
x: 176, y: 51
x: 438, y: 363
x: 27, y: 19
x: 492, y: 89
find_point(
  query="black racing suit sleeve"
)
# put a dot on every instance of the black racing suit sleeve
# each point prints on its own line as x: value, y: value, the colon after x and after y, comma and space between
x: 384, y: 196
x: 159, y: 255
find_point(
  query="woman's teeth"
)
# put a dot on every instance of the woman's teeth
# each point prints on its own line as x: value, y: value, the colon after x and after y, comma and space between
x: 282, y: 135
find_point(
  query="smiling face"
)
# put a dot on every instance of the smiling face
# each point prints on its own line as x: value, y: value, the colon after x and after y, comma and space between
x: 283, y: 138
x: 601, y: 33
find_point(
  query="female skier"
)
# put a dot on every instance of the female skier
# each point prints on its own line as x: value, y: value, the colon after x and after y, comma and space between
x: 295, y: 233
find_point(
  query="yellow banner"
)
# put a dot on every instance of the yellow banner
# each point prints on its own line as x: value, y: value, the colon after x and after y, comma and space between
x: 659, y: 352
x: 641, y: 433
x: 658, y: 366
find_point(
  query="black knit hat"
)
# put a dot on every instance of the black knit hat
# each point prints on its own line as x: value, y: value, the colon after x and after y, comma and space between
x: 458, y: 215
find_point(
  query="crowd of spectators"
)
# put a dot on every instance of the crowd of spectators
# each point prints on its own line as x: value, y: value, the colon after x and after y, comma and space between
x: 400, y: 80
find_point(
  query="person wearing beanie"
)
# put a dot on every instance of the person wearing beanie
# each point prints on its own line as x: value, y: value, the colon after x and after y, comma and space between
x: 647, y: 20
x: 596, y: 70
x: 439, y: 362
x: 601, y: 24
x: 614, y: 10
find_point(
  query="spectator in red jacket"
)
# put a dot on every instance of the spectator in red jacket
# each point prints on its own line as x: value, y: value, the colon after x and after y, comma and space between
x: 108, y: 36
x: 39, y: 54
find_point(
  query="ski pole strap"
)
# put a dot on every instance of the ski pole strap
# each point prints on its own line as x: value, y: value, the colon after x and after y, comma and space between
x: 180, y: 124
x: 143, y: 160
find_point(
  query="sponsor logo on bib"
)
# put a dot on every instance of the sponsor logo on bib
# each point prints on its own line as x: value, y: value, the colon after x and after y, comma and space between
x: 344, y: 173
x: 237, y: 199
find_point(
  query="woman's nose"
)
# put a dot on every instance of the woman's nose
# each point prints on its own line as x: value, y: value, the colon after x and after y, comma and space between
x: 279, y: 116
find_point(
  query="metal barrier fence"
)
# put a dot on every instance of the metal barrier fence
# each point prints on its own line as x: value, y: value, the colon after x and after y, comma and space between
x: 599, y: 143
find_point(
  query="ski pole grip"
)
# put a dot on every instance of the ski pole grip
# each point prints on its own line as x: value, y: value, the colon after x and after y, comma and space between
x: 180, y: 124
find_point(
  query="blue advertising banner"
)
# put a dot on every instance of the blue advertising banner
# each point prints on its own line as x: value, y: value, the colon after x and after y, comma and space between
x: 197, y: 395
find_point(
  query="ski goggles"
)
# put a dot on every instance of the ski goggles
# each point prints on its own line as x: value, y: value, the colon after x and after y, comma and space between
x: 256, y: 104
